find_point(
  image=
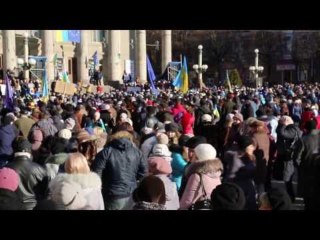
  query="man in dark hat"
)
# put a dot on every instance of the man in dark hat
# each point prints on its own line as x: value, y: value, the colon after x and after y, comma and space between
x: 33, y: 178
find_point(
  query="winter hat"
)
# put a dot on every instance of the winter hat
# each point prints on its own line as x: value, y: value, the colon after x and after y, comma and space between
x: 159, y: 127
x: 150, y: 123
x: 21, y: 144
x: 163, y: 139
x: 229, y: 116
x: 238, y: 116
x: 161, y: 150
x: 69, y: 194
x: 205, y: 152
x: 195, y: 141
x: 159, y: 166
x: 244, y: 142
x: 9, y: 179
x: 183, y: 139
x: 65, y: 133
x: 279, y: 199
x: 70, y: 123
x: 123, y: 116
x: 206, y: 118
x: 228, y: 196
x: 172, y: 127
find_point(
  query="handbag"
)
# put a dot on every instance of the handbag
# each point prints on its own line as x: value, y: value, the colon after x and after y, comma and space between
x: 204, y: 204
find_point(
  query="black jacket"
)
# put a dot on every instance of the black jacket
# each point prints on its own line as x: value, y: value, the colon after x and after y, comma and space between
x: 33, y: 181
x: 285, y: 136
x: 119, y: 165
x: 10, y: 200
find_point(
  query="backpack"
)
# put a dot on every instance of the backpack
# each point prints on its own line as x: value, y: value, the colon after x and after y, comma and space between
x: 291, y: 147
x: 204, y: 204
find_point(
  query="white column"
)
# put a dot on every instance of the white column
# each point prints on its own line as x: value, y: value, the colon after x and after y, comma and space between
x: 166, y: 49
x: 9, y: 49
x: 114, y: 56
x: 47, y: 39
x: 83, y: 57
x: 141, y: 56
x: 200, y: 67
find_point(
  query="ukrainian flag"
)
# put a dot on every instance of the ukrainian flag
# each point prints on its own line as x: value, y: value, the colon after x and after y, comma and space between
x: 182, y: 79
x: 62, y: 35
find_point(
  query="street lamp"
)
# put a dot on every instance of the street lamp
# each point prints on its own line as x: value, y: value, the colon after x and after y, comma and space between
x: 200, y: 68
x: 26, y: 63
x: 256, y: 69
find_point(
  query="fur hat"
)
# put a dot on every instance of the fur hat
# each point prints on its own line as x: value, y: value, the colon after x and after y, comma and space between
x: 205, y: 152
x: 9, y: 179
x: 65, y: 133
x: 161, y: 150
x: 206, y: 118
x: 163, y: 138
x: 158, y: 165
x: 228, y: 196
x: 69, y: 194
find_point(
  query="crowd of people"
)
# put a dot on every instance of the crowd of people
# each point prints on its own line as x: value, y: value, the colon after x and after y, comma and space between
x: 215, y: 149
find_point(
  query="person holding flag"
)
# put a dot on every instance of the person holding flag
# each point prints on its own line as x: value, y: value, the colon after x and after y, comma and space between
x: 182, y: 79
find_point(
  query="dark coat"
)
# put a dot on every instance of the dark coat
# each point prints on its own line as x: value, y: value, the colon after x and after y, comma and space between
x: 33, y: 181
x: 7, y: 134
x: 120, y: 165
x: 10, y: 200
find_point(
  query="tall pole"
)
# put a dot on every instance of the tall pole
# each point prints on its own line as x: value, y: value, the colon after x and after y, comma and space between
x: 83, y: 52
x: 257, y: 65
x: 200, y: 65
x: 26, y: 55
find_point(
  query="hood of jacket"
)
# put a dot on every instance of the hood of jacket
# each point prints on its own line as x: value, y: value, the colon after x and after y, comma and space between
x: 121, y: 140
x: 208, y: 167
x: 90, y: 180
x: 58, y: 158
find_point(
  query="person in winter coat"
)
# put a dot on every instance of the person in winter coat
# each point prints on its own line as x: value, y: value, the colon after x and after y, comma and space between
x: 179, y: 160
x: 77, y: 170
x: 258, y: 132
x: 24, y: 123
x: 275, y: 199
x: 199, y: 112
x: 240, y: 169
x: 8, y: 132
x: 161, y: 168
x: 309, y: 167
x: 120, y: 165
x: 288, y: 134
x: 45, y: 124
x: 208, y: 130
x: 206, y: 170
x: 33, y: 177
x: 150, y: 194
x: 148, y: 139
x: 9, y: 182
x: 188, y: 119
x: 178, y: 110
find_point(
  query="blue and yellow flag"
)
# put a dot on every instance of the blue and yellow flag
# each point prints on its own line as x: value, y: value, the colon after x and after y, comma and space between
x: 182, y: 79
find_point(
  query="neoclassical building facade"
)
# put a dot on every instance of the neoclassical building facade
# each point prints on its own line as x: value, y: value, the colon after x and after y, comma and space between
x: 117, y: 51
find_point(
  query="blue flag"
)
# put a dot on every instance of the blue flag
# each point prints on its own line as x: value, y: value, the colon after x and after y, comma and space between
x: 151, y: 77
x: 45, y: 90
x: 74, y: 36
x: 8, y: 102
x: 95, y: 58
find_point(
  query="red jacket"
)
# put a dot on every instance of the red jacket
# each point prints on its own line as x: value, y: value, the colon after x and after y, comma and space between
x: 177, y: 109
x: 187, y: 123
x: 305, y: 117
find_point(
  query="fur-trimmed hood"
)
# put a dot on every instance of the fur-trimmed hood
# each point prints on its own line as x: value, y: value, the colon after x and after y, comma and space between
x: 90, y: 180
x: 212, y: 168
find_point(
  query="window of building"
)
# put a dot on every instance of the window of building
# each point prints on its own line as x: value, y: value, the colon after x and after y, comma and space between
x: 98, y: 35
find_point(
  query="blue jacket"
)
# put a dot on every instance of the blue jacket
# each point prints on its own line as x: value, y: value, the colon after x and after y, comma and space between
x: 178, y: 164
x: 7, y: 135
x: 120, y: 165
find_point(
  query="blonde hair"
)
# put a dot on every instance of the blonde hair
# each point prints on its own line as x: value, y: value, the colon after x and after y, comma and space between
x: 76, y: 163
